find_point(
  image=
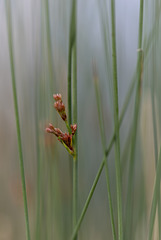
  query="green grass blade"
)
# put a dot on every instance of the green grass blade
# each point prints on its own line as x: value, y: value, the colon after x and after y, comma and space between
x: 156, y: 151
x: 72, y: 103
x: 116, y: 123
x: 132, y: 151
x: 49, y: 47
x: 153, y: 109
x: 88, y: 200
x: 71, y: 43
x: 103, y: 137
x: 152, y: 33
x: 139, y: 70
x: 38, y: 183
x: 10, y: 43
x: 75, y: 141
x: 156, y: 193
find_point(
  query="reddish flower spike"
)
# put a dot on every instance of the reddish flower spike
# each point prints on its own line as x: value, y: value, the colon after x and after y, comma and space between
x: 57, y: 97
x: 64, y: 138
x: 59, y: 106
x: 73, y: 128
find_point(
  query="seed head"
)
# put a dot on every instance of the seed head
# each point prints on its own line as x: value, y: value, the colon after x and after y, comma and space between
x: 73, y: 128
x: 57, y: 97
x: 56, y: 131
x: 64, y: 138
x: 59, y: 106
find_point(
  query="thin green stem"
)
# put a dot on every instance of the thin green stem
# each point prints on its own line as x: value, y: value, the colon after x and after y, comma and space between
x: 38, y: 173
x: 73, y: 56
x: 155, y: 197
x: 103, y: 137
x: 88, y: 200
x: 75, y: 140
x: 116, y: 121
x: 10, y: 43
x: 72, y: 101
x: 75, y: 162
x: 68, y: 127
x: 70, y: 48
x: 106, y: 37
x: 154, y: 113
x: 49, y: 45
x: 132, y: 151
x: 139, y: 70
x: 152, y: 33
x: 69, y: 85
x: 156, y: 153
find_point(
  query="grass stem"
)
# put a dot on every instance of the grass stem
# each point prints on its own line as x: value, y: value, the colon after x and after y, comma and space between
x: 75, y: 160
x: 72, y: 102
x: 10, y: 43
x: 116, y: 123
x: 155, y: 135
x: 103, y: 137
x: 139, y: 71
x: 155, y: 197
x: 88, y: 200
x: 72, y: 36
x: 49, y: 47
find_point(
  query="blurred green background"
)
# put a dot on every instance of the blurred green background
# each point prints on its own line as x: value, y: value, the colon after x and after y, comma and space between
x: 40, y: 42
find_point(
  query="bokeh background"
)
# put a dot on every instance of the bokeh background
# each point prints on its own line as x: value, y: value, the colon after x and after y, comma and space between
x: 40, y: 40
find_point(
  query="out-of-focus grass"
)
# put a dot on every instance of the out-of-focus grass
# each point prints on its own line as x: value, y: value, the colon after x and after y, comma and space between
x: 18, y: 127
x: 41, y: 41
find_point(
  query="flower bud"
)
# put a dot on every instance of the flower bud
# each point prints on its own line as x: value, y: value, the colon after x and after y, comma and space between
x: 73, y: 128
x: 57, y: 97
x: 59, y: 106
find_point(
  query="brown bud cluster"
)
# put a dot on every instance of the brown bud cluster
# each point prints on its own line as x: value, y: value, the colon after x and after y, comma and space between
x: 66, y: 138
x: 73, y: 128
x: 56, y: 131
x: 59, y: 106
x: 57, y: 97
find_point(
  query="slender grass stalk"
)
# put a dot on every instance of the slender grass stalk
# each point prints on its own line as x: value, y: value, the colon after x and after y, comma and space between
x: 88, y: 199
x: 153, y: 32
x: 74, y: 95
x: 75, y: 160
x: 153, y: 111
x: 12, y: 65
x: 103, y: 137
x: 126, y: 102
x: 132, y: 151
x: 71, y: 42
x: 69, y: 85
x: 116, y: 121
x: 72, y: 89
x: 49, y: 46
x: 139, y: 70
x: 106, y: 37
x: 155, y: 197
x: 125, y: 152
x: 154, y: 116
x: 38, y: 218
x: 156, y: 155
x: 72, y: 101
